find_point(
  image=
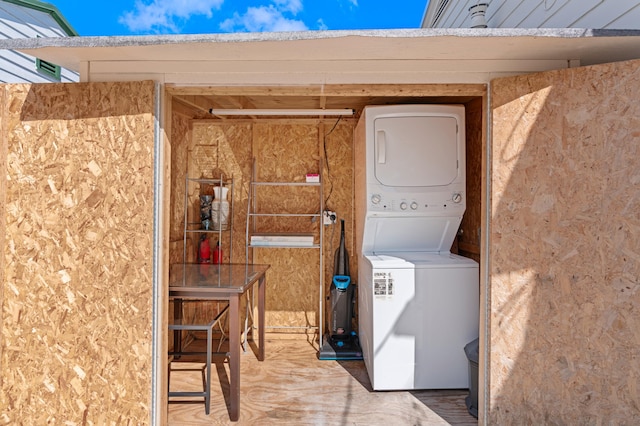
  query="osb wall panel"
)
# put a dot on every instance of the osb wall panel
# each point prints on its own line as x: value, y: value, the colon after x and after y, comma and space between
x: 180, y: 140
x: 285, y: 151
x: 469, y: 240
x: 293, y: 293
x: 77, y: 305
x: 565, y: 257
x: 221, y: 151
x: 3, y: 209
x: 339, y: 196
x: 211, y: 151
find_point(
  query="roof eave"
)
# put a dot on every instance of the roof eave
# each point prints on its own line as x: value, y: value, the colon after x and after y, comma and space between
x: 50, y: 10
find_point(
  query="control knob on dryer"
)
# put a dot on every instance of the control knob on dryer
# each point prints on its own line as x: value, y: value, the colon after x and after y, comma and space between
x: 403, y: 205
x: 375, y: 198
x: 456, y: 197
x: 414, y: 205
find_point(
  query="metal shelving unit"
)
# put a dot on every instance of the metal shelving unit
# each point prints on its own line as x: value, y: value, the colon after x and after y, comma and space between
x: 253, y: 214
x: 193, y: 226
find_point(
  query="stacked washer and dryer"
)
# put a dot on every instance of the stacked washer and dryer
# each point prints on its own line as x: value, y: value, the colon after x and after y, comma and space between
x: 418, y: 303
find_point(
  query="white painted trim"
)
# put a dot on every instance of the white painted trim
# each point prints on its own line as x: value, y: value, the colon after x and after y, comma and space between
x: 317, y: 72
x: 313, y: 67
x: 85, y: 68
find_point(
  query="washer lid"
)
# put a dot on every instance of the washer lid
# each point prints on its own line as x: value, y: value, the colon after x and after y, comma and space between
x: 382, y: 261
x: 438, y: 260
x: 416, y: 150
x: 419, y: 260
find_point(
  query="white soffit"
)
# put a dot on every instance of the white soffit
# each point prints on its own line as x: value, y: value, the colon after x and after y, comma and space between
x: 587, y: 46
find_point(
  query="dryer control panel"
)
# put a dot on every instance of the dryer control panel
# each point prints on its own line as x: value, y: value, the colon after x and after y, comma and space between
x: 416, y: 203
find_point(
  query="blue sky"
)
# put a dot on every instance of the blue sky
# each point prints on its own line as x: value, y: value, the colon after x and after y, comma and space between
x: 134, y: 17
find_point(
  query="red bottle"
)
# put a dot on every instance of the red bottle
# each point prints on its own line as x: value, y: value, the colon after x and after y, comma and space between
x: 217, y: 254
x: 204, y: 250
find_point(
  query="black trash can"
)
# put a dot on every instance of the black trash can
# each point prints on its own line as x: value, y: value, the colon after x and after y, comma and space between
x: 471, y: 350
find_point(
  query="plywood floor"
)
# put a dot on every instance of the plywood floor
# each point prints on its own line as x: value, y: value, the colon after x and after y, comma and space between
x: 293, y: 387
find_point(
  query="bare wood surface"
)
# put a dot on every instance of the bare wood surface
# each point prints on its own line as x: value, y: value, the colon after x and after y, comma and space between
x: 335, y: 90
x: 293, y: 387
x: 78, y: 223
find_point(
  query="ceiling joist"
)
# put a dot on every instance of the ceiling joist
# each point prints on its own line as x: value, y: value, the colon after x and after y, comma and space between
x: 336, y: 90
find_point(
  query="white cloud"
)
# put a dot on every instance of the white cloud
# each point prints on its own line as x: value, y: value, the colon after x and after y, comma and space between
x: 165, y: 15
x: 321, y: 25
x: 293, y: 6
x: 271, y: 18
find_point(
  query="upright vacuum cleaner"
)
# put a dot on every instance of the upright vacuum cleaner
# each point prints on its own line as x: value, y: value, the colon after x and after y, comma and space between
x: 341, y: 343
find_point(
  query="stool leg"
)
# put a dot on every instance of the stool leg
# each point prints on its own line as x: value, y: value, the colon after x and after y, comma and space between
x: 169, y: 374
x: 207, y: 392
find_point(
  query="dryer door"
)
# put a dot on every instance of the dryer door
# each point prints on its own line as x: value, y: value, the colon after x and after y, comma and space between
x: 416, y: 151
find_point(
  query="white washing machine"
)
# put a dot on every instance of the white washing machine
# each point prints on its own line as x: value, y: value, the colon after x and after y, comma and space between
x: 421, y: 310
x: 418, y: 303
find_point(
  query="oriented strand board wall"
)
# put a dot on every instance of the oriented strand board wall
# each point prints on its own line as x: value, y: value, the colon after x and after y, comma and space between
x: 77, y: 256
x: 209, y: 151
x: 339, y: 197
x: 564, y: 252
x: 469, y: 240
x: 215, y: 151
x: 180, y: 138
x: 285, y: 150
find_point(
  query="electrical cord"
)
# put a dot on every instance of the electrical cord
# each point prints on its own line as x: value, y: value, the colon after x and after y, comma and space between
x: 324, y: 148
x: 333, y: 230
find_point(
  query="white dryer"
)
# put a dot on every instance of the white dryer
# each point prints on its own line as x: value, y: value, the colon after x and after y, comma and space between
x: 418, y: 303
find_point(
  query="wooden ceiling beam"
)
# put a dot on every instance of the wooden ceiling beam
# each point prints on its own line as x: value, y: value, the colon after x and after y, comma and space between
x: 180, y: 108
x: 335, y: 90
x: 192, y: 102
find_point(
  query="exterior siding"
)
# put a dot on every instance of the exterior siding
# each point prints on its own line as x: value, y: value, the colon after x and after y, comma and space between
x: 22, y: 22
x: 609, y: 14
